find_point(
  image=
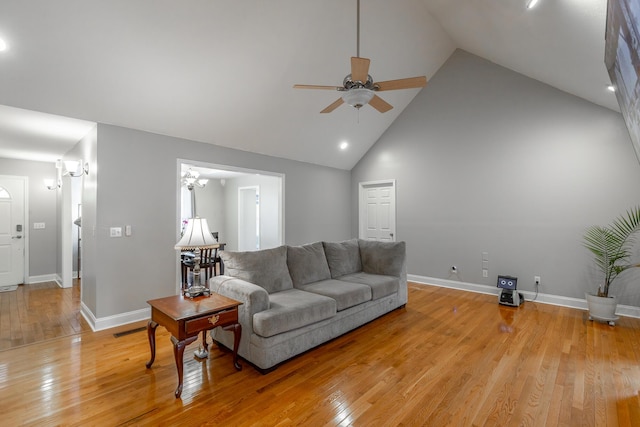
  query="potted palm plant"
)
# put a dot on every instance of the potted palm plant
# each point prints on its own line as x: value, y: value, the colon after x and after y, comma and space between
x: 611, y: 247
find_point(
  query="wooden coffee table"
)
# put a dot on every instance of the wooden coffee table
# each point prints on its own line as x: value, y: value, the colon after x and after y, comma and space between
x: 185, y: 318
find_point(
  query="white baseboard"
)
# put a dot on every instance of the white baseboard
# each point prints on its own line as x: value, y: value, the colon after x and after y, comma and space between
x: 99, y: 324
x: 53, y: 277
x: 622, y: 310
x: 42, y: 278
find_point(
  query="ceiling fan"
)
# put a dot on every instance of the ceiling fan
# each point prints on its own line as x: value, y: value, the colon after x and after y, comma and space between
x: 359, y: 89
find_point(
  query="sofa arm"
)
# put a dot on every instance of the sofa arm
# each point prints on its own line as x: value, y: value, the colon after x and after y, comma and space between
x: 254, y: 299
x: 388, y: 258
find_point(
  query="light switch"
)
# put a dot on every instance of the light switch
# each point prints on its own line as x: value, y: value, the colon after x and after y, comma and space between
x: 127, y: 230
x: 115, y: 232
x: 38, y: 225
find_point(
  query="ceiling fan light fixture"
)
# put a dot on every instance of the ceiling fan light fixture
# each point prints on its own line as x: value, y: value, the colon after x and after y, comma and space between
x: 357, y: 97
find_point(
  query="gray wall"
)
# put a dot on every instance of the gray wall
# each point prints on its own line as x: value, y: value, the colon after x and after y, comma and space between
x: 137, y: 184
x: 489, y: 160
x: 42, y: 208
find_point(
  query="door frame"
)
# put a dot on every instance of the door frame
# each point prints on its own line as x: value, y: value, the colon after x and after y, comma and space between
x: 362, y: 204
x: 25, y: 221
x: 65, y: 193
x: 199, y: 163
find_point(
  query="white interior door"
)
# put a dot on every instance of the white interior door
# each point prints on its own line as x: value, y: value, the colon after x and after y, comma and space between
x: 12, y: 230
x: 248, y: 218
x: 378, y: 211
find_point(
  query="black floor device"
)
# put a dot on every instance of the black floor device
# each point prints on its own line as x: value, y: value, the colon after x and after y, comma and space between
x: 508, y: 291
x: 511, y: 298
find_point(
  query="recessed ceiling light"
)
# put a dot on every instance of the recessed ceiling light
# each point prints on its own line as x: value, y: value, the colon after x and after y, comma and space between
x: 531, y: 4
x: 3, y: 45
x: 344, y: 145
x: 611, y: 88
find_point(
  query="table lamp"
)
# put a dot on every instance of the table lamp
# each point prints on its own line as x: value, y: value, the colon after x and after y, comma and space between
x: 196, y: 236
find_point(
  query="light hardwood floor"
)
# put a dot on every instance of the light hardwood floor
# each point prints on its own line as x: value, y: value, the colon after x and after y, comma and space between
x: 38, y: 312
x: 449, y: 358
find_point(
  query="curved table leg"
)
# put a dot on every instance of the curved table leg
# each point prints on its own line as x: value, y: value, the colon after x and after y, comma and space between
x: 237, y: 333
x: 151, y: 333
x: 205, y: 344
x: 178, y: 352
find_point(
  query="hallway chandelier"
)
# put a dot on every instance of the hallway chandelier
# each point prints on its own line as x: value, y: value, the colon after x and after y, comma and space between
x: 191, y: 179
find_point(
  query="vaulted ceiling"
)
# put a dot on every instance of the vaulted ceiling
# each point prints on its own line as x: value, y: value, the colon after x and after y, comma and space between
x: 222, y: 72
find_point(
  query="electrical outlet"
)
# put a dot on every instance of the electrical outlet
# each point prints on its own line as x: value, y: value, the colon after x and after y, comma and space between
x: 454, y: 269
x: 536, y: 279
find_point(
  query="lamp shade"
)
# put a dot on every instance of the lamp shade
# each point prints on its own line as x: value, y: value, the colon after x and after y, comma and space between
x: 72, y: 166
x: 196, y: 236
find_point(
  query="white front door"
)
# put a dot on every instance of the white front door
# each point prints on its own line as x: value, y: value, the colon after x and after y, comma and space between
x: 12, y: 230
x: 377, y: 216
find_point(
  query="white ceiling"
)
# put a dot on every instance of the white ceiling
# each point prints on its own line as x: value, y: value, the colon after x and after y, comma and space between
x: 222, y: 72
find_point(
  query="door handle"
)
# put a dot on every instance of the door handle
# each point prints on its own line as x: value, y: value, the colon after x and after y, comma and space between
x: 16, y: 237
x: 391, y: 234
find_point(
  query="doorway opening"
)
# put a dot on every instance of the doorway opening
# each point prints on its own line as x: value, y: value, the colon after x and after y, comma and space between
x: 225, y: 191
x: 70, y: 231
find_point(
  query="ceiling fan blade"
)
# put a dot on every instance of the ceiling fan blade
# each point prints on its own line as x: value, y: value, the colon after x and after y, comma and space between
x: 360, y: 69
x: 380, y: 104
x: 316, y: 87
x: 408, y: 83
x: 338, y: 102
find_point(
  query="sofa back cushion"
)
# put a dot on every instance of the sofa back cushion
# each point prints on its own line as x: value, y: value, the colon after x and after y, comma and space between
x: 343, y: 257
x: 266, y: 268
x: 386, y: 258
x: 307, y: 264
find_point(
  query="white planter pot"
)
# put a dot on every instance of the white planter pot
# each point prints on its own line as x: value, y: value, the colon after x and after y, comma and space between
x: 602, y: 308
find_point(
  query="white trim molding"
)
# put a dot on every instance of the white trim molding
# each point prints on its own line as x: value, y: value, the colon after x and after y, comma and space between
x: 43, y: 278
x: 581, y: 304
x: 99, y: 324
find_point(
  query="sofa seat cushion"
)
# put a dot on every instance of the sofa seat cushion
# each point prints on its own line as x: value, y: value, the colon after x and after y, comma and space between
x: 292, y: 309
x: 307, y: 264
x: 266, y: 268
x: 381, y: 285
x: 346, y: 294
x: 343, y: 257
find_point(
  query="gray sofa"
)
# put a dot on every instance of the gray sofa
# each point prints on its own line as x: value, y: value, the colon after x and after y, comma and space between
x: 295, y: 298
